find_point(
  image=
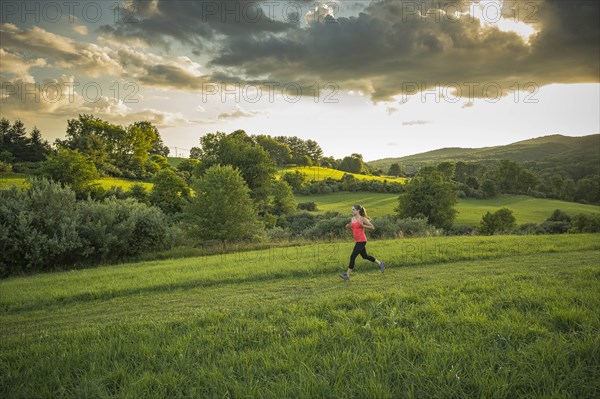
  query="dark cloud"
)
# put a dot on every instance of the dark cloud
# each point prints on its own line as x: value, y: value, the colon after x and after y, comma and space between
x: 384, y: 50
x: 195, y: 23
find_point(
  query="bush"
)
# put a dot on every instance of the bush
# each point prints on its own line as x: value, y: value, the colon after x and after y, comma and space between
x: 501, y: 221
x: 328, y: 228
x: 278, y: 234
x: 558, y: 223
x: 391, y: 226
x: 299, y: 222
x: 585, y: 223
x: 530, y: 229
x: 462, y: 230
x: 308, y: 206
x: 46, y: 228
x: 551, y: 227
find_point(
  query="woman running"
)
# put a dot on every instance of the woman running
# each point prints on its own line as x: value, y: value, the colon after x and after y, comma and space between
x: 357, y: 225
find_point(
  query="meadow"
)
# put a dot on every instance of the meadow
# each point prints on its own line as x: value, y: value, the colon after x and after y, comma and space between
x: 452, y: 317
x: 525, y: 209
x: 318, y: 173
x: 20, y: 180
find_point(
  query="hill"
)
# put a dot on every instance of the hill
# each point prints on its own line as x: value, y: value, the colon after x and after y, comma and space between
x: 526, y: 209
x: 577, y: 156
x: 501, y: 317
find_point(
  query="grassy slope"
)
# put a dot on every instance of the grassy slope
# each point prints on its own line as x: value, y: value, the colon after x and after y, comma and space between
x: 526, y: 209
x: 496, y: 317
x: 317, y: 173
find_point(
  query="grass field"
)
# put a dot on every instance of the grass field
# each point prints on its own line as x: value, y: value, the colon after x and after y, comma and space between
x: 452, y: 317
x: 526, y: 209
x: 7, y: 180
x: 20, y: 180
x: 317, y: 173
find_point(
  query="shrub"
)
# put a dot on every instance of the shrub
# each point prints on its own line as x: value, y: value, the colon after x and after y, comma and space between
x: 585, y: 223
x: 299, y: 222
x: 501, y: 221
x: 462, y: 230
x: 308, y: 206
x: 530, y: 228
x: 46, y: 228
x: 328, y: 228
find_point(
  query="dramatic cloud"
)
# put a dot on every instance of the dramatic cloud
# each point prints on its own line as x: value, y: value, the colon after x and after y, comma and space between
x: 149, y: 69
x: 389, y: 50
x: 60, y: 98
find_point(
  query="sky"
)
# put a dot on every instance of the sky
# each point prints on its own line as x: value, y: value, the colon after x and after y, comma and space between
x: 382, y: 78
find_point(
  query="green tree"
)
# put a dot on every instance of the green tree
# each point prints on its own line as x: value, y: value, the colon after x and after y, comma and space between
x: 489, y: 189
x: 71, y: 168
x: 447, y: 169
x: 429, y: 195
x: 353, y: 164
x: 501, y: 221
x: 587, y: 190
x: 241, y: 152
x: 169, y: 192
x: 222, y: 208
x: 395, y: 170
x: 280, y: 153
x: 284, y: 202
x: 295, y: 179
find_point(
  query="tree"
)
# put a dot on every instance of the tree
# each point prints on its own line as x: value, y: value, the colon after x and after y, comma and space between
x: 114, y: 149
x: 295, y: 179
x: 587, y: 190
x: 241, y: 152
x: 169, y: 192
x: 38, y: 148
x: 447, y: 169
x: 489, y: 189
x: 280, y: 153
x: 395, y: 170
x: 222, y: 208
x: 429, y: 195
x: 284, y: 202
x: 353, y: 164
x: 512, y: 178
x: 71, y: 168
x: 501, y: 221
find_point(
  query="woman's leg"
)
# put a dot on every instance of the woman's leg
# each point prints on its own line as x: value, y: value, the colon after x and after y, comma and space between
x: 366, y: 256
x: 358, y: 248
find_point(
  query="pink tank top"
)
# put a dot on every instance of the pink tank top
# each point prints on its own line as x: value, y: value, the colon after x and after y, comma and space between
x: 358, y: 231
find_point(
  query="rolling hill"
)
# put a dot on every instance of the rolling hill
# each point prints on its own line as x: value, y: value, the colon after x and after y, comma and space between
x: 575, y: 156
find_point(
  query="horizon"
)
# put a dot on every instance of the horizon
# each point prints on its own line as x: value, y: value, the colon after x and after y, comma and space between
x: 386, y: 79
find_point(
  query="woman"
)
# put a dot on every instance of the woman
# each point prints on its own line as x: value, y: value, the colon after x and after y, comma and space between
x: 357, y: 225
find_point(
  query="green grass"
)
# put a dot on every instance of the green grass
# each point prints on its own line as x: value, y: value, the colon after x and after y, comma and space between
x: 108, y: 182
x: 493, y: 317
x: 317, y: 173
x: 526, y: 209
x: 7, y: 180
x: 20, y: 180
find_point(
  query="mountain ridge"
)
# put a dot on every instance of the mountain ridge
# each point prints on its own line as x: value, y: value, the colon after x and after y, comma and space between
x: 545, y: 151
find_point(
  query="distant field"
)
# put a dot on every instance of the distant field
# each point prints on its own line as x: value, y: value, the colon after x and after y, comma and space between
x: 9, y: 179
x: 105, y: 182
x: 108, y: 182
x: 318, y: 173
x: 175, y: 161
x: 526, y: 209
x: 452, y: 317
